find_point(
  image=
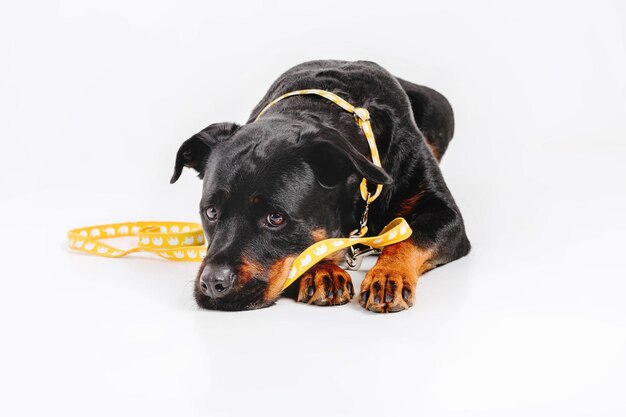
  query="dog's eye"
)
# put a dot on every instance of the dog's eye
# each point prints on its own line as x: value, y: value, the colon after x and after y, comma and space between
x: 275, y: 219
x: 211, y: 213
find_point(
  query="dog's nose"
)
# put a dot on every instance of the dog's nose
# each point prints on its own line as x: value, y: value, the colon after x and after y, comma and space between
x: 216, y: 281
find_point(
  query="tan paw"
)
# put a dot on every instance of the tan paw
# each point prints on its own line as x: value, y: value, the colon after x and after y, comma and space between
x: 325, y: 284
x: 387, y: 290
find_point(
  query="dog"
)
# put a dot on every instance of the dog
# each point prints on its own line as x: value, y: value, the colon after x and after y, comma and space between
x: 274, y: 186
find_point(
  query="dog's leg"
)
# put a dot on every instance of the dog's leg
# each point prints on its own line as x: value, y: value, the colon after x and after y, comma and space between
x: 438, y: 238
x: 325, y: 284
x: 390, y: 285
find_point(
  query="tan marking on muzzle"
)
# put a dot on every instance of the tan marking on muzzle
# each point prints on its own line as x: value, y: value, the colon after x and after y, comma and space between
x: 277, y: 275
x: 247, y: 270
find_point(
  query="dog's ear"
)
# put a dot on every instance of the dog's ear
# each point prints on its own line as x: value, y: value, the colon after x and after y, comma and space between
x: 194, y: 152
x: 333, y: 158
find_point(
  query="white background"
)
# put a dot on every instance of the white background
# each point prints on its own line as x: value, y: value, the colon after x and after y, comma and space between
x: 96, y: 97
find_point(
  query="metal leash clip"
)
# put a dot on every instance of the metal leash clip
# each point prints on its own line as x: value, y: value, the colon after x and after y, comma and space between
x: 354, y: 257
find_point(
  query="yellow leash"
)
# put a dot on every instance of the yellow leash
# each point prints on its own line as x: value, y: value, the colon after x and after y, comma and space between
x: 175, y: 241
x: 179, y: 241
x: 396, y: 231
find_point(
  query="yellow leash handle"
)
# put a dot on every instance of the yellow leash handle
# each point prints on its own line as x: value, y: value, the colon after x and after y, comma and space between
x: 176, y: 241
x: 396, y: 231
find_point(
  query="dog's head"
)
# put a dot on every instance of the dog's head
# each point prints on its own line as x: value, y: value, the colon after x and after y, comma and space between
x: 270, y: 189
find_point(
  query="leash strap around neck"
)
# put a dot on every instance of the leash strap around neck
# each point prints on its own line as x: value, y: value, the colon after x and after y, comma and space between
x: 362, y: 117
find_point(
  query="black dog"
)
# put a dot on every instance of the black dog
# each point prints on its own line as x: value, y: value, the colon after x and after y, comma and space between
x: 274, y: 186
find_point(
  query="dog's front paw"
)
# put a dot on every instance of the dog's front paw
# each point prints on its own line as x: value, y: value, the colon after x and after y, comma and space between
x: 325, y: 284
x: 386, y: 290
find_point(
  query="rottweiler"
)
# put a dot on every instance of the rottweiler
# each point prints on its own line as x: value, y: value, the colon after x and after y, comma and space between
x: 274, y: 186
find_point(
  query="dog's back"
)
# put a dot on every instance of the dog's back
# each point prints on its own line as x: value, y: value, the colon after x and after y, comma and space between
x: 368, y: 84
